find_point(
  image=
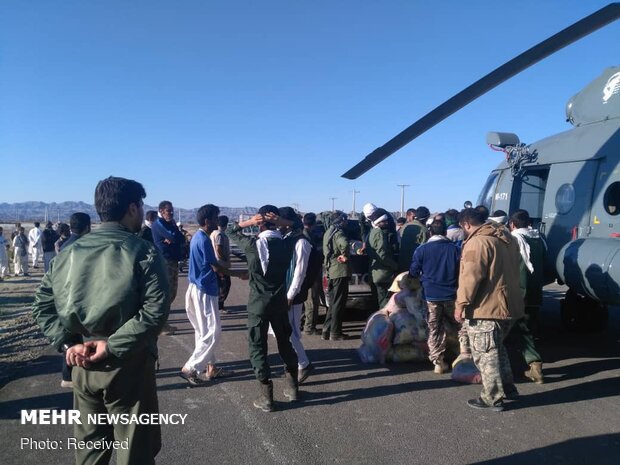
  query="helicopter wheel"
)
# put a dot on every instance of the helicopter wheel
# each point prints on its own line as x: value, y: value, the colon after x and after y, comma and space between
x: 581, y: 313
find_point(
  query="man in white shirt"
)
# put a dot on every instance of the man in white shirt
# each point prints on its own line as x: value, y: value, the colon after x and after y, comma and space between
x: 34, y: 238
x: 4, y: 256
x: 296, y: 293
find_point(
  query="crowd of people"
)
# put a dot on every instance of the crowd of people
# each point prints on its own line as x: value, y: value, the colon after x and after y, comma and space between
x: 481, y: 276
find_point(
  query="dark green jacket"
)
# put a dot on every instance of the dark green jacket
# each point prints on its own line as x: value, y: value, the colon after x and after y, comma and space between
x: 412, y: 235
x: 335, y: 243
x: 108, y: 285
x: 267, y: 290
x: 383, y: 265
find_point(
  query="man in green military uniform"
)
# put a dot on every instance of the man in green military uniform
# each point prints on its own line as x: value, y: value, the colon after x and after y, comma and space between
x: 531, y: 268
x: 103, y: 302
x: 383, y: 264
x: 338, y: 269
x: 412, y: 235
x: 268, y: 256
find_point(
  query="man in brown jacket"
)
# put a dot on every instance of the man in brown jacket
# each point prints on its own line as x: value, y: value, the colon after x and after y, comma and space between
x: 489, y: 300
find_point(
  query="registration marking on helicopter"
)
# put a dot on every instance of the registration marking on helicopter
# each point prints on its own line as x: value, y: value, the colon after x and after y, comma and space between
x: 501, y: 196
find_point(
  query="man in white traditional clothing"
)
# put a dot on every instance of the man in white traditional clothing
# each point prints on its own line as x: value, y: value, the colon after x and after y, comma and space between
x: 36, y: 248
x: 4, y: 255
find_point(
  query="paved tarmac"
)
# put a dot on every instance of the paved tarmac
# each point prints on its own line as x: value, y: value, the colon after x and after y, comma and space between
x: 353, y: 413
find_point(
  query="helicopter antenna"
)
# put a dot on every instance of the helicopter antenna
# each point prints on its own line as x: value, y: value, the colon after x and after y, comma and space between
x: 580, y: 29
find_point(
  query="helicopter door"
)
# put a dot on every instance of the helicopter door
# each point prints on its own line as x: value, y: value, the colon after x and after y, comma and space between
x: 528, y: 193
x: 568, y: 202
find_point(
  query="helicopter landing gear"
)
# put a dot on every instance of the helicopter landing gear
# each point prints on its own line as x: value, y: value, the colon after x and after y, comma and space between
x: 581, y: 313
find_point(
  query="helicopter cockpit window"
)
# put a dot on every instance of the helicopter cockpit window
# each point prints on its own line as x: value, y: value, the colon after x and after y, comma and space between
x: 486, y: 196
x: 612, y: 199
x: 565, y: 198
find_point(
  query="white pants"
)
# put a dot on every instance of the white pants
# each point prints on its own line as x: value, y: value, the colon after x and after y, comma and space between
x: 294, y: 318
x: 4, y: 262
x: 36, y: 253
x: 204, y: 315
x: 20, y: 261
x: 47, y: 258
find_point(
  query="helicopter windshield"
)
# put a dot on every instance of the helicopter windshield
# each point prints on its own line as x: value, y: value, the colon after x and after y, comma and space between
x: 486, y: 196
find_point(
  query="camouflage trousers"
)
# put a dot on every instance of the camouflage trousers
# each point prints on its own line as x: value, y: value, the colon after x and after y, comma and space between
x: 440, y: 321
x: 486, y: 338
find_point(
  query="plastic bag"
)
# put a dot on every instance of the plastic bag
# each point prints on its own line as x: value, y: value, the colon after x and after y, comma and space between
x: 417, y: 352
x: 465, y: 371
x: 376, y: 338
x: 407, y: 329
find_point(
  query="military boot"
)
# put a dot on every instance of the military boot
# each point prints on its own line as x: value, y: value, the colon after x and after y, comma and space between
x: 291, y: 391
x: 535, y: 373
x: 441, y: 366
x: 265, y: 399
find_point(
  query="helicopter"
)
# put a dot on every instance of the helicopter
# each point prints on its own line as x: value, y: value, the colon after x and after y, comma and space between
x: 569, y: 182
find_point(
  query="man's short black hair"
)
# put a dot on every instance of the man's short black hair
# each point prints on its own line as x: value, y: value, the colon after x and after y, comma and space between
x: 497, y: 213
x: 222, y: 221
x: 164, y: 204
x: 288, y: 213
x: 472, y: 216
x: 37, y: 224
x: 268, y: 209
x: 150, y: 215
x: 520, y: 218
x: 206, y: 212
x: 452, y: 216
x: 63, y: 229
x: 114, y: 195
x: 401, y: 220
x: 79, y: 223
x: 438, y: 228
x: 309, y: 219
x: 484, y: 211
x: 411, y: 210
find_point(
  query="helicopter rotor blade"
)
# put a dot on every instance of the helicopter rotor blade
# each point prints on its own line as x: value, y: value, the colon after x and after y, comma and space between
x: 578, y: 30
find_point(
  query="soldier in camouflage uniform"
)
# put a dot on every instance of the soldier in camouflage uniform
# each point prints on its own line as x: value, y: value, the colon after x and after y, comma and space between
x: 489, y: 298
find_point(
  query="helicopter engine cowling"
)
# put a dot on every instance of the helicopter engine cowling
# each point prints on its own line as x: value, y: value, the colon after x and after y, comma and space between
x: 591, y: 267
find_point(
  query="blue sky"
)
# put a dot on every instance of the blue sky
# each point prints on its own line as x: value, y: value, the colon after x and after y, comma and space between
x: 244, y: 103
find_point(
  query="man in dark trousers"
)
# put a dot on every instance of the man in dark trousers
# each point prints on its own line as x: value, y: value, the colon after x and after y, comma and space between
x: 268, y: 257
x: 118, y: 315
x: 170, y: 241
x: 532, y: 248
x: 311, y: 306
x: 338, y: 269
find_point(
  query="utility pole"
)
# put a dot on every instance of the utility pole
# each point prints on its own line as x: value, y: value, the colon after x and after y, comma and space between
x: 354, y: 194
x: 402, y: 198
x: 332, y: 199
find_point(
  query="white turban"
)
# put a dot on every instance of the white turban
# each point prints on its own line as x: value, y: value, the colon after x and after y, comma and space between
x: 369, y: 209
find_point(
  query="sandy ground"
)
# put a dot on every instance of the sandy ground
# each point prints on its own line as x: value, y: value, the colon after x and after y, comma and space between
x: 20, y: 338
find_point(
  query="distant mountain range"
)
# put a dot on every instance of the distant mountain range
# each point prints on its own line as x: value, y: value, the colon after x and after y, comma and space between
x: 27, y: 212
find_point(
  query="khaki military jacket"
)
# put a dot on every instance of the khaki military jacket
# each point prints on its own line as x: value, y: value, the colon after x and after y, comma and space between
x: 489, y: 284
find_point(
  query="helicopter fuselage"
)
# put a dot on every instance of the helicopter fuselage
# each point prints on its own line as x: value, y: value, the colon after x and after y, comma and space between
x: 570, y: 185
